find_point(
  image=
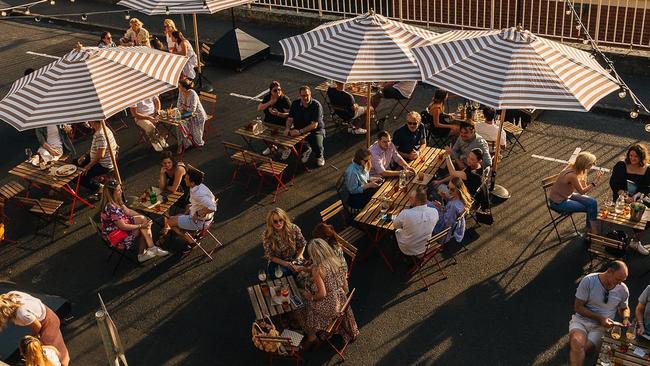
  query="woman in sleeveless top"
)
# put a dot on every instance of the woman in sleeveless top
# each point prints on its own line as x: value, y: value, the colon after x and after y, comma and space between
x: 631, y: 175
x: 568, y: 193
x: 172, y: 173
x: 436, y: 109
x: 183, y: 47
x: 36, y: 354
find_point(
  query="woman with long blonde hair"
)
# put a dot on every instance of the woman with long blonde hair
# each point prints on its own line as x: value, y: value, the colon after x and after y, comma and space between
x: 168, y: 27
x: 569, y: 192
x: 23, y: 309
x: 452, y: 215
x: 283, y: 243
x: 36, y: 354
x: 325, y: 304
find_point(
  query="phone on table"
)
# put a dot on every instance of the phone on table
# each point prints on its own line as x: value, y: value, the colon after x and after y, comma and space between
x: 296, y: 301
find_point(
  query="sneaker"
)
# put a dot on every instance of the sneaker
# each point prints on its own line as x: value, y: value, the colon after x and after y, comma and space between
x: 157, y: 146
x: 305, y: 156
x: 320, y: 161
x: 266, y: 152
x: 359, y: 131
x: 163, y: 143
x: 148, y: 254
x: 158, y: 251
x: 284, y: 155
x: 636, y: 245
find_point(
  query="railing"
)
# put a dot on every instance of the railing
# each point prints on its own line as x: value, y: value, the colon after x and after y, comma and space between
x: 610, y: 22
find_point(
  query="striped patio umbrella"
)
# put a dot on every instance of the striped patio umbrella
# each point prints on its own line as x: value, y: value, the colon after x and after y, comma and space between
x: 514, y: 69
x: 366, y: 48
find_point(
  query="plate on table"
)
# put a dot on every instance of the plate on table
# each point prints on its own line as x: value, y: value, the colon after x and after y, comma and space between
x: 426, y: 179
x: 65, y: 170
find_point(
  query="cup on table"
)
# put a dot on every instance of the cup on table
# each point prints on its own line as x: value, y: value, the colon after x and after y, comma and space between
x: 265, y: 288
x: 421, y: 176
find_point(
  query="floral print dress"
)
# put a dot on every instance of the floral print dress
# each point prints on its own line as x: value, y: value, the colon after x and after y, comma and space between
x: 284, y: 250
x: 109, y: 216
x: 194, y: 124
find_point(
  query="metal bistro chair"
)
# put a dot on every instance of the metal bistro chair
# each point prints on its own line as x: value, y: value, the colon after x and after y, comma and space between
x: 604, y: 249
x: 403, y: 104
x: 348, y: 236
x: 336, y: 325
x: 121, y: 250
x: 559, y: 215
x: 434, y: 247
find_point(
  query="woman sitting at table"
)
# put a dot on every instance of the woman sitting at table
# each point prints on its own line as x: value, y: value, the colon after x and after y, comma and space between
x: 458, y: 204
x: 326, y: 232
x: 122, y: 225
x: 184, y: 48
x: 358, y: 184
x: 440, y: 122
x: 189, y: 102
x: 631, y: 175
x: 36, y: 354
x: 106, y: 40
x: 25, y: 310
x: 283, y: 243
x: 471, y: 175
x: 569, y: 192
x: 324, y: 305
x: 172, y: 174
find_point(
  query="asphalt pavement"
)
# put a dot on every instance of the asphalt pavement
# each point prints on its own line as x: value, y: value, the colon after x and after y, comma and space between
x: 507, y: 301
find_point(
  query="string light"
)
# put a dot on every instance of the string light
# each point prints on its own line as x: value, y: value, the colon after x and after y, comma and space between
x: 3, y: 13
x: 27, y: 11
x: 37, y: 18
x: 205, y: 4
x: 84, y: 17
x: 622, y: 93
x: 635, y: 113
x: 166, y: 10
x: 568, y: 11
x: 127, y: 16
x: 52, y: 2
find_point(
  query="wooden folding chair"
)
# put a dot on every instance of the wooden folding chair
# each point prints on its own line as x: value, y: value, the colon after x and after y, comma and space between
x: 121, y: 250
x: 287, y: 351
x: 604, y: 249
x: 348, y: 236
x: 197, y: 236
x: 7, y: 192
x: 211, y: 100
x: 403, y: 104
x: 560, y: 215
x: 118, y: 122
x: 342, y: 193
x: 45, y: 209
x: 265, y: 166
x: 513, y: 134
x: 335, y: 326
x: 235, y: 153
x: 435, y: 245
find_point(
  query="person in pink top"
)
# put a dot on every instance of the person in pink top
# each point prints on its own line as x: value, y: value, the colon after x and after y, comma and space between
x: 384, y: 153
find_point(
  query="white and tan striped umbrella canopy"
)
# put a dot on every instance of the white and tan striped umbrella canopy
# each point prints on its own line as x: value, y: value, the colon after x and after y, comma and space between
x: 89, y: 84
x: 159, y: 7
x: 367, y: 48
x: 514, y: 69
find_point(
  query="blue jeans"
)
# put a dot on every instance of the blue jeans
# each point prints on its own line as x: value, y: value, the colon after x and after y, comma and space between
x: 578, y: 203
x: 315, y: 141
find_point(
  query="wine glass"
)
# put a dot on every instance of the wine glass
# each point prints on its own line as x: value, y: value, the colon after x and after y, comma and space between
x: 279, y: 273
x: 604, y: 355
x: 630, y: 332
x: 476, y: 105
x: 28, y: 153
x: 383, y: 208
x: 261, y: 275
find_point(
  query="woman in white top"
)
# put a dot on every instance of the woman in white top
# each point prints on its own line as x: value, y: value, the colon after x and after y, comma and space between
x: 183, y: 47
x: 168, y: 27
x: 25, y: 310
x: 36, y: 354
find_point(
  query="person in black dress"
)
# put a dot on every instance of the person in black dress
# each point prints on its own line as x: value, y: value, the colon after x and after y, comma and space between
x: 631, y: 175
x: 275, y: 106
x: 172, y: 174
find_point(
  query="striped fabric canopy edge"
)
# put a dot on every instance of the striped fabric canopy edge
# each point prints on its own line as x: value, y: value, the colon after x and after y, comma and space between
x: 89, y: 84
x: 160, y: 7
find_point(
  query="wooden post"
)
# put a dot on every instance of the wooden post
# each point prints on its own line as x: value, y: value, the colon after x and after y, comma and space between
x: 197, y: 47
x: 116, y: 171
x: 368, y: 95
x: 497, y: 150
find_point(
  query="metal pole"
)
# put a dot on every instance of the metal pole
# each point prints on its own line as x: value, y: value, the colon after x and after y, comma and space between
x: 368, y: 115
x: 116, y: 171
x: 497, y: 190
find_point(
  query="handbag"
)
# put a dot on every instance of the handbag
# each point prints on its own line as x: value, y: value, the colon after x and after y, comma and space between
x: 116, y: 236
x: 265, y: 328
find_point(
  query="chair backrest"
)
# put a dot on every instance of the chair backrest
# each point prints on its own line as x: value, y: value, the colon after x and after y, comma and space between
x: 257, y: 160
x: 604, y: 242
x: 348, y: 248
x: 210, y: 99
x: 99, y: 233
x: 334, y: 325
x: 438, y: 238
x: 231, y: 149
x: 331, y: 210
x: 546, y: 184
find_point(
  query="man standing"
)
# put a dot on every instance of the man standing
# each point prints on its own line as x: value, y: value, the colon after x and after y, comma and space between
x: 347, y: 108
x: 306, y: 116
x: 384, y: 154
x: 410, y: 139
x: 414, y: 225
x: 598, y: 298
x: 144, y: 114
x: 469, y: 140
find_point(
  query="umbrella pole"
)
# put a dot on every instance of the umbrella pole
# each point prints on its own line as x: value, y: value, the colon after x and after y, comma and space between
x: 116, y: 171
x: 368, y: 115
x: 497, y: 190
x: 196, y: 43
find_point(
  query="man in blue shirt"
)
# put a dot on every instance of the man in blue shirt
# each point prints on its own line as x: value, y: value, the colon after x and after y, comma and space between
x: 411, y: 138
x: 359, y: 185
x: 306, y: 116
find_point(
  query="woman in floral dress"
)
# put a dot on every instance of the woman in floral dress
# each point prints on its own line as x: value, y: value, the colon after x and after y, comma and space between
x: 283, y: 243
x: 324, y: 305
x: 188, y: 101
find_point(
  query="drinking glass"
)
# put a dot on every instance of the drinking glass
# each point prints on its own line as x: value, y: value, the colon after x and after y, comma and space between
x: 460, y: 107
x: 278, y: 274
x: 261, y: 275
x: 630, y: 332
x: 28, y: 153
x: 616, y: 332
x: 383, y: 209
x: 604, y: 355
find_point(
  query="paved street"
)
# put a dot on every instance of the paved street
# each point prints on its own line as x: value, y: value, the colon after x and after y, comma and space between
x: 507, y: 301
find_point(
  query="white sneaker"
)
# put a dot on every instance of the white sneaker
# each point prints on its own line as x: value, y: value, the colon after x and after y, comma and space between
x: 359, y: 131
x: 163, y: 143
x: 148, y: 254
x: 284, y: 155
x: 305, y: 156
x: 320, y: 161
x: 160, y: 252
x: 266, y: 152
x: 636, y: 245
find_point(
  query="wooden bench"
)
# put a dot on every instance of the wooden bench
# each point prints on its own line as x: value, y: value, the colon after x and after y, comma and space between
x: 348, y: 236
x: 598, y: 249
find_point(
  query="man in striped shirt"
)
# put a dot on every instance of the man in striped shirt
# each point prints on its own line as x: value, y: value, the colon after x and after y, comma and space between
x: 98, y: 160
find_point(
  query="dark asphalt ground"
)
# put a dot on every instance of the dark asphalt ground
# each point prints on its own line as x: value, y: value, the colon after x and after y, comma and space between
x: 506, y: 302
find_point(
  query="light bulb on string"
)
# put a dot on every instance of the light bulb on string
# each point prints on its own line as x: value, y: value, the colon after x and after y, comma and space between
x: 634, y: 113
x: 622, y: 93
x: 52, y: 2
x: 166, y: 10
x: 585, y: 41
x: 27, y: 11
x: 71, y: 1
x: 568, y: 11
x: 205, y: 4
x: 127, y: 16
x: 84, y: 17
x: 578, y: 27
x: 37, y: 18
x: 3, y: 13
x: 647, y: 127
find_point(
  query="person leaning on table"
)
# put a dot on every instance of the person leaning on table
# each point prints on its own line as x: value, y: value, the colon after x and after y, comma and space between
x: 136, y: 35
x: 283, y: 243
x: 384, y: 154
x: 598, y: 298
x: 359, y: 185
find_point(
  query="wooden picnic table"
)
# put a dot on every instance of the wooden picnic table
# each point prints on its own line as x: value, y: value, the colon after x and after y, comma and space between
x: 371, y: 215
x: 624, y: 220
x: 274, y: 135
x: 356, y: 89
x: 36, y: 176
x: 263, y: 304
x: 161, y: 207
x: 627, y: 358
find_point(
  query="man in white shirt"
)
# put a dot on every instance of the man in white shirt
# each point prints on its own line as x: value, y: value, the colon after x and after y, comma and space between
x: 414, y: 225
x: 489, y: 129
x: 144, y: 114
x: 200, y: 211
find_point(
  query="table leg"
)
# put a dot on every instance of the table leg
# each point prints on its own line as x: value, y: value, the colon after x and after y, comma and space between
x: 76, y: 197
x: 187, y: 134
x: 375, y: 240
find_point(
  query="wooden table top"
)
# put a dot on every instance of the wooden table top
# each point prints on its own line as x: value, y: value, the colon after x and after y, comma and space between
x: 267, y: 135
x: 162, y: 207
x: 262, y: 303
x: 624, y: 220
x: 356, y: 89
x: 34, y: 174
x: 628, y: 358
x: 371, y: 215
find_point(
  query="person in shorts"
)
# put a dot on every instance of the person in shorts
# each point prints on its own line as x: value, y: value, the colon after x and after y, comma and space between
x: 599, y: 297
